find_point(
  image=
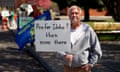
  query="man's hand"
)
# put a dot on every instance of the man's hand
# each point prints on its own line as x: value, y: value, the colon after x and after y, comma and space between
x: 86, y: 67
x: 69, y: 57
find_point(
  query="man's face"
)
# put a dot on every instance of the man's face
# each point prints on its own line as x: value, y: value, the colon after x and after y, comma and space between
x: 75, y: 15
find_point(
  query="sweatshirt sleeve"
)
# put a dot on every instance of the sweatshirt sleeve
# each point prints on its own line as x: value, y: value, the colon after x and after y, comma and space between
x: 95, y: 48
x: 60, y: 55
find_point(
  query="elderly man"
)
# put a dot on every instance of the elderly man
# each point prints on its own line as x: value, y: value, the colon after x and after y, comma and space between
x: 85, y: 46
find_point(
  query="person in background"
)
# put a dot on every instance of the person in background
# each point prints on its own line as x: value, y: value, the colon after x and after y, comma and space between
x: 26, y: 8
x: 0, y: 19
x: 85, y: 46
x: 12, y: 19
x: 5, y: 20
x: 5, y: 13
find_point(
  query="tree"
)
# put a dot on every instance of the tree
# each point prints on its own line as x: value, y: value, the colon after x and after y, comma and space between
x: 63, y: 5
x: 85, y: 4
x: 113, y: 7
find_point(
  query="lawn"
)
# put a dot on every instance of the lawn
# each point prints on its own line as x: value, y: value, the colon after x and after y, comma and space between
x: 106, y: 30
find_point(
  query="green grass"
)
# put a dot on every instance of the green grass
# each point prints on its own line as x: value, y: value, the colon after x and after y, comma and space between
x: 107, y: 37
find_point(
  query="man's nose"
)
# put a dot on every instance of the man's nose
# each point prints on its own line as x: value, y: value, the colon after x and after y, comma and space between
x: 74, y: 14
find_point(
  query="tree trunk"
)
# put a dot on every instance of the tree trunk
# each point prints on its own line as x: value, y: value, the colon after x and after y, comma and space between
x: 113, y: 7
x: 117, y: 10
x: 86, y: 12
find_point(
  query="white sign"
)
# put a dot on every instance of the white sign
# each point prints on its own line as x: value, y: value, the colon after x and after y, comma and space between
x: 52, y: 35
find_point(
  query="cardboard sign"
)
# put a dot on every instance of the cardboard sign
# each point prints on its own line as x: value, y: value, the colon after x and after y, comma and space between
x: 52, y: 35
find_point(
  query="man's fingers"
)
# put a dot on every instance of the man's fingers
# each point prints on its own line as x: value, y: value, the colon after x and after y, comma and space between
x: 69, y: 57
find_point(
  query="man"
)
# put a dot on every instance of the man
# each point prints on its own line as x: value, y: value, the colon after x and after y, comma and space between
x: 85, y: 46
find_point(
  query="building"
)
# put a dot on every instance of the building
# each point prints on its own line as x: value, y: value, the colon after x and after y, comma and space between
x: 7, y: 3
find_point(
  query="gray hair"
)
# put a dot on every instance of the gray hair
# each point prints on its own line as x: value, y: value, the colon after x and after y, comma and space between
x: 72, y: 7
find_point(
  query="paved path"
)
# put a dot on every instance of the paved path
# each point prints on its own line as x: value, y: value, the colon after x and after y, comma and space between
x: 110, y: 61
x: 12, y: 60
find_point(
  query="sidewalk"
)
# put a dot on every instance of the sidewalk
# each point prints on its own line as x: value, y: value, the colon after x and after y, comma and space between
x: 12, y: 60
x: 110, y: 61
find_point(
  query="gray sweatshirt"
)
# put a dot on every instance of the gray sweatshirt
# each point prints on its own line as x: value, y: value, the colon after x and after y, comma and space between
x: 85, y: 47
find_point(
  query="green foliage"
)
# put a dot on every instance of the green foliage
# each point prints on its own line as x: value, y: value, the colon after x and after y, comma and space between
x: 108, y: 37
x: 70, y: 2
x: 113, y: 7
x: 105, y: 36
